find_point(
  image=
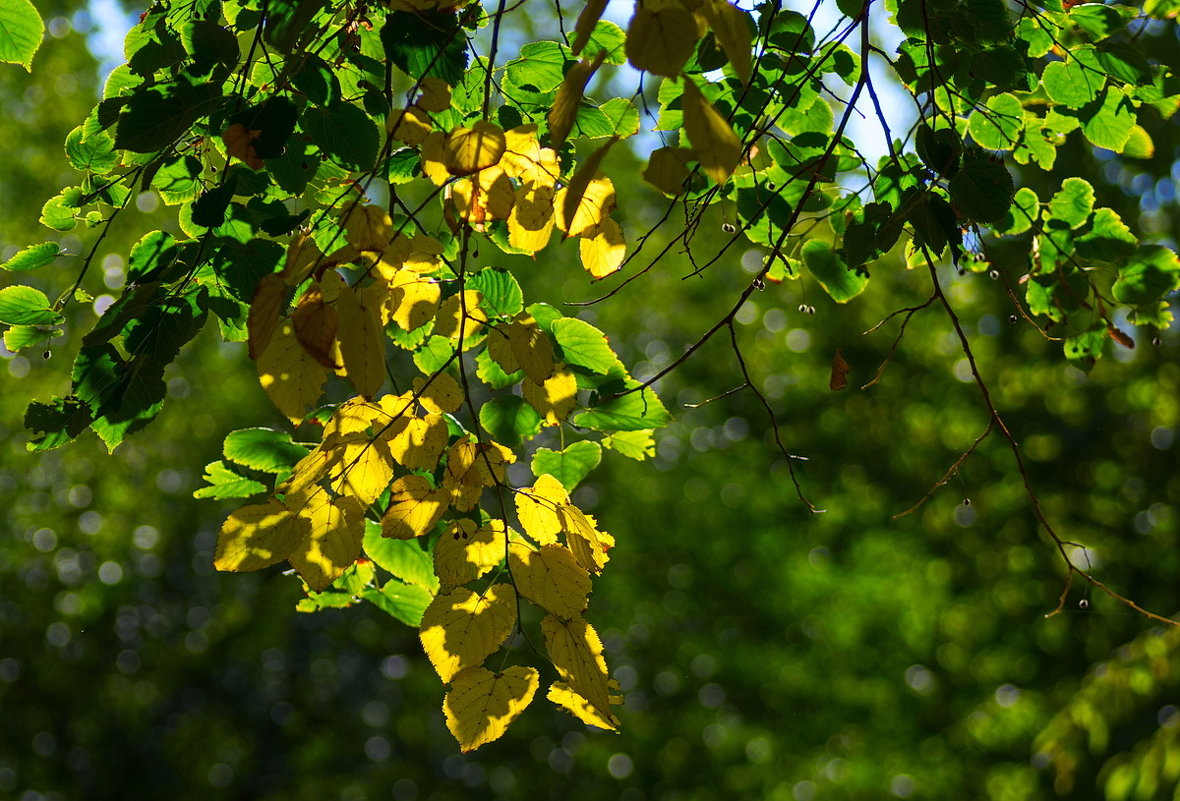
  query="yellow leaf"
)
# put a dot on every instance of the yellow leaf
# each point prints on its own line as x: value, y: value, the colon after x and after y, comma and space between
x: 732, y: 33
x: 485, y: 196
x: 469, y: 150
x: 563, y: 696
x: 361, y: 341
x: 355, y: 416
x: 587, y: 20
x: 500, y: 348
x: 481, y: 705
x: 586, y: 542
x: 442, y: 396
x: 434, y: 157
x: 460, y: 311
x: 414, y: 508
x: 555, y: 397
x: 531, y: 222
x: 713, y: 141
x: 368, y: 227
x: 576, y: 652
x: 333, y: 543
x: 463, y: 477
x: 366, y: 468
x: 603, y: 249
x: 661, y: 40
x: 588, y: 198
x: 464, y: 553
x: 569, y: 97
x: 666, y: 169
x: 538, y: 508
x: 411, y: 125
x: 416, y: 442
x: 434, y: 94
x: 302, y: 256
x: 265, y: 309
x: 551, y: 578
x: 413, y: 301
x: 291, y: 377
x: 531, y: 349
x: 257, y: 536
x: 526, y: 161
x: 461, y: 629
x: 315, y: 324
x: 425, y: 254
x: 311, y: 469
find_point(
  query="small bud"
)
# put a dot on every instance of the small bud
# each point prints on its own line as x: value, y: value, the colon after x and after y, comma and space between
x: 994, y: 275
x: 803, y: 308
x: 962, y: 272
x: 770, y: 185
x: 46, y: 354
x: 1083, y: 604
x: 1156, y: 341
x: 966, y: 501
x: 1013, y: 319
x: 759, y: 284
x: 728, y: 227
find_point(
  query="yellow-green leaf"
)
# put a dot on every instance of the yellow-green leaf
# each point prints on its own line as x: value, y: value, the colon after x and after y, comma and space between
x: 538, y: 508
x: 292, y: 378
x: 414, y: 508
x: 333, y: 541
x: 551, y: 578
x: 662, y: 40
x: 257, y: 536
x: 563, y: 696
x: 715, y: 144
x: 462, y: 628
x: 464, y: 553
x: 481, y: 705
x: 361, y: 340
x: 576, y: 651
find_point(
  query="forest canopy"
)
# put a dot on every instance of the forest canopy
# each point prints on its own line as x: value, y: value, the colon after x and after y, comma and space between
x: 376, y: 204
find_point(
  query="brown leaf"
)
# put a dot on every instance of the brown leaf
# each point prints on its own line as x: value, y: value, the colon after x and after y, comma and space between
x: 1120, y: 337
x: 315, y: 327
x: 840, y: 368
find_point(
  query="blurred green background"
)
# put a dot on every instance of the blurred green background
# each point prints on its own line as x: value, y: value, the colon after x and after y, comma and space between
x: 765, y: 652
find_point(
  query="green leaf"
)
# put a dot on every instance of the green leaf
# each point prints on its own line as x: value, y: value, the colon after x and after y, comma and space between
x: 405, y: 559
x: 510, y: 420
x: 622, y: 116
x: 95, y: 152
x: 999, y: 127
x: 982, y: 189
x: 544, y: 314
x: 52, y: 425
x: 23, y: 305
x: 940, y: 150
x: 1073, y: 202
x: 21, y: 30
x: 492, y: 374
x: 32, y: 257
x: 224, y: 482
x: 569, y: 466
x: 540, y: 68
x: 1108, y: 239
x: 583, y: 345
x: 1153, y: 272
x: 635, y: 411
x: 156, y: 116
x: 18, y: 337
x: 841, y: 283
x: 263, y: 449
x: 1072, y: 83
x: 59, y: 212
x: 426, y: 43
x: 434, y: 354
x: 1096, y: 19
x: 344, y: 132
x: 502, y: 296
x: 1108, y: 124
x: 403, y: 602
x: 150, y: 256
x: 1087, y: 345
x: 609, y: 37
x: 1025, y: 211
x: 637, y: 445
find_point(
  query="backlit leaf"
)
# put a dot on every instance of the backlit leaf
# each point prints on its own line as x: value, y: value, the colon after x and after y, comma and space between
x: 257, y: 536
x: 291, y: 377
x: 576, y: 652
x: 462, y: 628
x: 569, y: 465
x: 414, y: 508
x: 481, y: 705
x: 551, y: 578
x: 714, y: 143
x: 463, y: 553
